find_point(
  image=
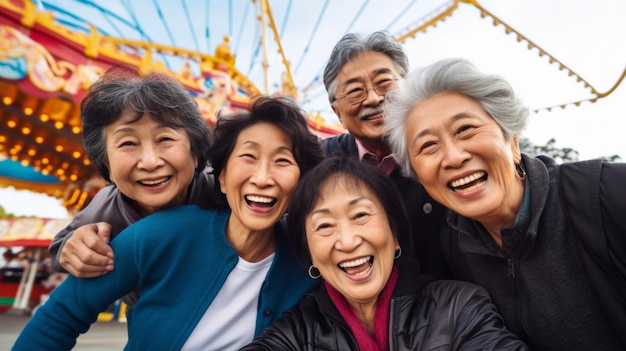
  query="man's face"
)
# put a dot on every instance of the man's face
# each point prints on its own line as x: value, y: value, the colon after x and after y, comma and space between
x: 364, y: 120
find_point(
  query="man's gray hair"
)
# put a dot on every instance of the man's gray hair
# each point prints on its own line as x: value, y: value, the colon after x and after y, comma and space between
x: 352, y: 45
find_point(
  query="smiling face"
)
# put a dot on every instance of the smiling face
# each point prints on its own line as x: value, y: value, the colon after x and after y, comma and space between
x: 259, y: 176
x: 150, y: 163
x: 365, y: 119
x: 463, y: 159
x: 350, y: 241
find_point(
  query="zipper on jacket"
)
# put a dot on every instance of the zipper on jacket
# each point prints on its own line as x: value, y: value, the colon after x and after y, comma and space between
x: 510, y: 274
x: 510, y: 271
x: 390, y: 325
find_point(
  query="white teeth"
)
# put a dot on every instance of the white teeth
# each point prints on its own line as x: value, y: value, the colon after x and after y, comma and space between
x: 466, y: 180
x: 154, y: 182
x: 468, y: 189
x: 261, y: 199
x: 367, y: 115
x: 354, y: 263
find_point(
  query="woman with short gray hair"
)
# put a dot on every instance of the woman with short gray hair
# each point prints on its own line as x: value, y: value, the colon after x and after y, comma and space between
x: 492, y: 92
x: 546, y: 240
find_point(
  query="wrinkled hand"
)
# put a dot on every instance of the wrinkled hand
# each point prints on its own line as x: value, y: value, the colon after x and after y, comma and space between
x: 87, y: 253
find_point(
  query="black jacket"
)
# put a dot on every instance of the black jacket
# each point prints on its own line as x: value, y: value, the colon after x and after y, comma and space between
x: 559, y: 279
x: 424, y: 315
x: 594, y: 197
x: 426, y: 215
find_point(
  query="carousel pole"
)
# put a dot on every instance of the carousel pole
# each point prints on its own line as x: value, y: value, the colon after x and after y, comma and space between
x: 22, y: 298
x: 264, y: 7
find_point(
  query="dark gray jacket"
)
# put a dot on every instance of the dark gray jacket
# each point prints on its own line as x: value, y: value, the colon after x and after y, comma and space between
x: 559, y: 280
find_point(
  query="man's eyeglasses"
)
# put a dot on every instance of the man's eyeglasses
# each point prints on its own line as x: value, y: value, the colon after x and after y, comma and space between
x: 358, y: 95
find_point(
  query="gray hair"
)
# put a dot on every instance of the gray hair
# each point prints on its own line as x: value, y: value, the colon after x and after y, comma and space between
x: 352, y: 45
x: 455, y: 75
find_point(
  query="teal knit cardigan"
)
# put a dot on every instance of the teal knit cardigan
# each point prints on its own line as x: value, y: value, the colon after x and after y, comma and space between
x: 179, y: 258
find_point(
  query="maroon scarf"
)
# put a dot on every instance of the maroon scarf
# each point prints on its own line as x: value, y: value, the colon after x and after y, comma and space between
x: 380, y: 340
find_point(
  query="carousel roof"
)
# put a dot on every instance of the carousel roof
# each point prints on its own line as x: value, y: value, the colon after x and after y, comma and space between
x: 46, y: 65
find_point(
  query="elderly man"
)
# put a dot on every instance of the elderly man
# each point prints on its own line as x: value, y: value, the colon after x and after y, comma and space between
x: 360, y: 71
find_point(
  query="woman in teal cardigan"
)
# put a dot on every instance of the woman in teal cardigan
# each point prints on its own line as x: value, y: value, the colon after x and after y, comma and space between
x: 195, y: 268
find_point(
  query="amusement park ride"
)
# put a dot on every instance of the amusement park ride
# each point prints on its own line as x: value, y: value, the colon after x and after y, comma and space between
x: 45, y: 70
x: 46, y: 66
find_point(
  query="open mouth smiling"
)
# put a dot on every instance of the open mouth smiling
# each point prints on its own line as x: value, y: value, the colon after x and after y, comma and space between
x: 260, y: 201
x: 371, y: 116
x: 468, y: 183
x: 357, y: 266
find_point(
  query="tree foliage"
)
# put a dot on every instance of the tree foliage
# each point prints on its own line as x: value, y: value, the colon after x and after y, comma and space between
x: 565, y: 154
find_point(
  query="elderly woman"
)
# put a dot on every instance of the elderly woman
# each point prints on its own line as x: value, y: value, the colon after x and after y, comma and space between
x: 208, y: 279
x: 547, y: 241
x: 344, y: 219
x: 147, y: 139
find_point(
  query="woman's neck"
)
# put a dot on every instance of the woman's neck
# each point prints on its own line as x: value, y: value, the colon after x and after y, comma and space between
x: 506, y: 215
x: 252, y: 246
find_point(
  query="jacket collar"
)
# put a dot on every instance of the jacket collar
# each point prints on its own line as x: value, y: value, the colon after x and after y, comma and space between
x: 410, y: 282
x: 474, y: 237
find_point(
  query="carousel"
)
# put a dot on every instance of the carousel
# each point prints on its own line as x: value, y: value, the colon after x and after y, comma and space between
x: 45, y: 69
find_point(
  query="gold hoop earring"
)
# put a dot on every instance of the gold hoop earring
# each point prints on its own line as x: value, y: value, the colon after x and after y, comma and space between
x: 520, y: 172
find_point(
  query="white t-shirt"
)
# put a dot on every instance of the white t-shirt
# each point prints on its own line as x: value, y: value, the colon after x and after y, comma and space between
x: 230, y: 321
